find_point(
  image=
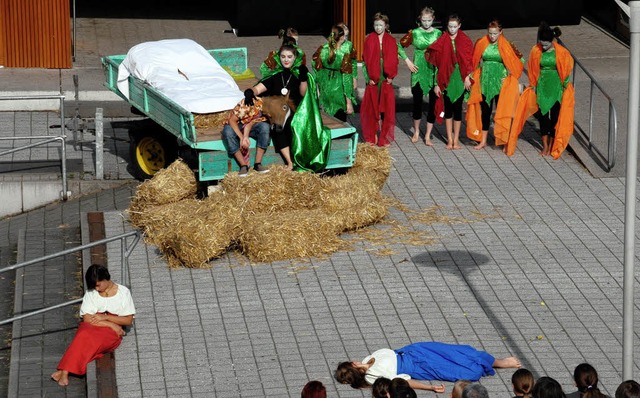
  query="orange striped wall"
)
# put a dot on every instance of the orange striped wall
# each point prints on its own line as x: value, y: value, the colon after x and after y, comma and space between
x: 357, y: 22
x: 35, y: 33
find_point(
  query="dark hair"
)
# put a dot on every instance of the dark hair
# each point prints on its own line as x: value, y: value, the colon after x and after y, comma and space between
x: 336, y: 33
x: 349, y: 374
x: 288, y: 47
x: 586, y: 379
x: 522, y: 380
x: 400, y: 388
x: 546, y: 33
x: 475, y: 390
x: 458, y: 386
x: 454, y: 17
x: 546, y: 387
x: 287, y: 36
x: 381, y: 387
x: 628, y: 389
x: 313, y: 389
x: 94, y: 274
x: 495, y: 24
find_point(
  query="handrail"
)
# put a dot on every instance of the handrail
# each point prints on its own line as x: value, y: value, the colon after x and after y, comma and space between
x: 64, y: 194
x: 124, y: 261
x: 610, y: 157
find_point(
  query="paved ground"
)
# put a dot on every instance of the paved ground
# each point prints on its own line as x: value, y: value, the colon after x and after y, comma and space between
x: 524, y: 259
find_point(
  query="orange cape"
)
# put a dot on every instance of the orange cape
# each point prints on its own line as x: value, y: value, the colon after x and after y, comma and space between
x: 509, y: 92
x: 527, y: 105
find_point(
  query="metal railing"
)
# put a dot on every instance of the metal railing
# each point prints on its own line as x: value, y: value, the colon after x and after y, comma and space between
x: 123, y: 276
x: 608, y: 156
x: 64, y: 194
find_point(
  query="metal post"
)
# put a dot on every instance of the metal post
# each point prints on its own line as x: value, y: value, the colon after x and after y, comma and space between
x: 99, y: 145
x: 630, y: 193
x: 65, y: 191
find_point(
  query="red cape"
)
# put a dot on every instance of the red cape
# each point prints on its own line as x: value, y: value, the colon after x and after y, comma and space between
x: 375, y: 102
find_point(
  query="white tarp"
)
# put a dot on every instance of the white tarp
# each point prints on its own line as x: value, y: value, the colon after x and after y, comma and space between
x: 182, y: 70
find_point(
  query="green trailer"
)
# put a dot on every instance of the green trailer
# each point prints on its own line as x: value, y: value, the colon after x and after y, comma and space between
x: 174, y: 133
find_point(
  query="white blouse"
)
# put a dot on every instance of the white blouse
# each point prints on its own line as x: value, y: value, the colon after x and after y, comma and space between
x: 120, y: 304
x: 386, y: 365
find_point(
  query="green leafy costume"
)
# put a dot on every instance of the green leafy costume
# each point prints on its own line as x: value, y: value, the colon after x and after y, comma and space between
x: 335, y: 79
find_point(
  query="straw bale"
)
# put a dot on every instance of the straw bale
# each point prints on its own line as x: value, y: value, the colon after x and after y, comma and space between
x: 373, y: 162
x: 169, y: 185
x: 352, y: 202
x: 287, y: 235
x: 271, y: 192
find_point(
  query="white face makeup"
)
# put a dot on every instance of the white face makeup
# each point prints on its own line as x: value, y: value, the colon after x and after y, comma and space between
x: 493, y: 34
x: 453, y: 27
x: 286, y: 58
x: 545, y: 45
x: 426, y: 21
x: 379, y: 27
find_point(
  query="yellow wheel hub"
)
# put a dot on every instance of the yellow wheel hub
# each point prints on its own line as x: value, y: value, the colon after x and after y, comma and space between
x: 150, y: 155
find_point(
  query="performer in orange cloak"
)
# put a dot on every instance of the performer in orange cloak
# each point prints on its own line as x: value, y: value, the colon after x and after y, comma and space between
x: 497, y: 67
x: 550, y: 95
x: 378, y: 109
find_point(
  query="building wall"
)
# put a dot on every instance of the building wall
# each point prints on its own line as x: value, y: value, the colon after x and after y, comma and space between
x: 35, y: 34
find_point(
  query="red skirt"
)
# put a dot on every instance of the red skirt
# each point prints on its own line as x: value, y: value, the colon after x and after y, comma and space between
x: 90, y: 342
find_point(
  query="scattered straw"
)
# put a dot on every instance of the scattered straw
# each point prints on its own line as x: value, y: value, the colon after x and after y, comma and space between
x: 210, y: 120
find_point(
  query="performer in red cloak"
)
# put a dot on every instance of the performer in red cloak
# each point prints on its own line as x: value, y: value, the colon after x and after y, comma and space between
x: 451, y: 54
x: 378, y: 109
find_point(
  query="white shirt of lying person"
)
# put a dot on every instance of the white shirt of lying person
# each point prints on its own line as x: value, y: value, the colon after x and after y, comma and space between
x: 386, y: 365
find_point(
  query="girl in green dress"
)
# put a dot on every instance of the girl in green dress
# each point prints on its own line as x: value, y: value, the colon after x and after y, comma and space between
x: 423, y: 74
x: 336, y: 73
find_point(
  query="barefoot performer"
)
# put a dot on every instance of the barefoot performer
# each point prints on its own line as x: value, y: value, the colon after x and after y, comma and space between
x: 423, y: 361
x: 106, y: 308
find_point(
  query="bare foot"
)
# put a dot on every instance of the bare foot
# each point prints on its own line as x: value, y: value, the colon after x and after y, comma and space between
x: 479, y: 146
x: 449, y: 146
x: 456, y: 146
x: 427, y: 142
x: 288, y: 166
x: 508, y: 362
x: 62, y: 377
x: 415, y: 138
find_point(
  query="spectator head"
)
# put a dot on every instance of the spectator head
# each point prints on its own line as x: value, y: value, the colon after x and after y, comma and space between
x: 546, y: 387
x: 458, y: 386
x: 522, y: 382
x: 400, y: 388
x: 628, y: 389
x: 314, y: 389
x: 381, y: 387
x: 475, y: 390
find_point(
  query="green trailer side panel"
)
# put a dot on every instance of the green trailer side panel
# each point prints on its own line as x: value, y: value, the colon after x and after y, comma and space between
x: 213, y: 165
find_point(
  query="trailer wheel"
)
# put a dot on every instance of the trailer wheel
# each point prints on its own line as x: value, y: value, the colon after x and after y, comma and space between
x: 150, y: 153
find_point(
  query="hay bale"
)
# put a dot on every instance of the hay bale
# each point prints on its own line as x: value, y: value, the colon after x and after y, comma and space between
x: 352, y: 202
x: 192, y: 232
x: 372, y: 162
x: 169, y: 185
x: 288, y: 234
x: 276, y: 191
